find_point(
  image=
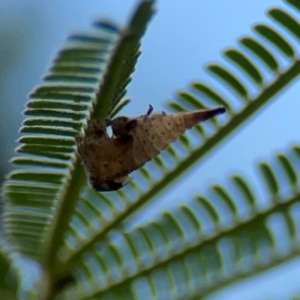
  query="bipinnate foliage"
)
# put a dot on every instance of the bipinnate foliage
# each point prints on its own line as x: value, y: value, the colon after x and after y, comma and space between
x: 80, y: 239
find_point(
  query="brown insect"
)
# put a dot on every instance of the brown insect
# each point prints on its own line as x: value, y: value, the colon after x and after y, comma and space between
x: 109, y: 160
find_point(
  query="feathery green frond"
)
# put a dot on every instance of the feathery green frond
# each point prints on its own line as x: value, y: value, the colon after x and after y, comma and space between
x: 87, y: 80
x: 185, y: 243
x: 55, y: 114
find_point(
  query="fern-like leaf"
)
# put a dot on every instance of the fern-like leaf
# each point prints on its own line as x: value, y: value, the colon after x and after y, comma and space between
x: 199, y: 248
x: 87, y: 81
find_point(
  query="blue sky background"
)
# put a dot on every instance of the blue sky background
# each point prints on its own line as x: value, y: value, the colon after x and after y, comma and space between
x: 183, y: 36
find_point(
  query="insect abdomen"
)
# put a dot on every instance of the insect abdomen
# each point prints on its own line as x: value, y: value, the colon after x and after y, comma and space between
x: 154, y: 134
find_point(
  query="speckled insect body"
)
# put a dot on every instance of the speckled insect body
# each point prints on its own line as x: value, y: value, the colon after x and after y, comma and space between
x: 135, y: 141
x: 106, y: 160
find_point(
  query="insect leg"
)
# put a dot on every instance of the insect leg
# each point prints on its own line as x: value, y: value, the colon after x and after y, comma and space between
x: 109, y: 185
x: 123, y: 180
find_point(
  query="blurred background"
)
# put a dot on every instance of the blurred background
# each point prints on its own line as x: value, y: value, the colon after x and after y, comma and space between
x: 182, y: 37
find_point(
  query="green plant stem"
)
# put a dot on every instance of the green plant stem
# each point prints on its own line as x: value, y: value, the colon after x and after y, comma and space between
x: 64, y: 212
x: 241, y: 117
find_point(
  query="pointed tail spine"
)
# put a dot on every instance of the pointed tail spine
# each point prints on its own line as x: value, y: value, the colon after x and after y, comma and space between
x: 193, y: 118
